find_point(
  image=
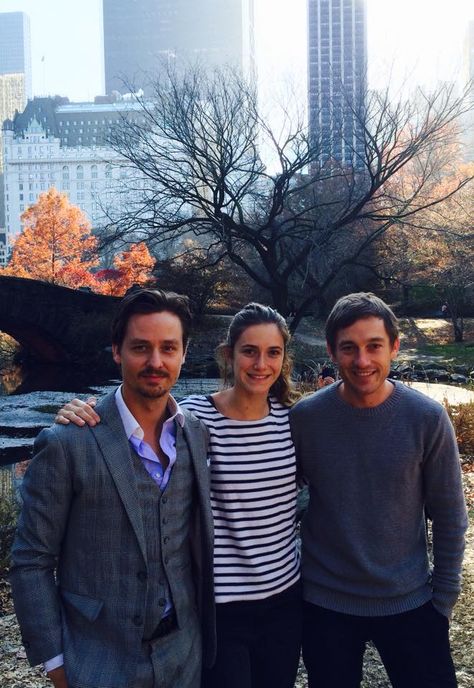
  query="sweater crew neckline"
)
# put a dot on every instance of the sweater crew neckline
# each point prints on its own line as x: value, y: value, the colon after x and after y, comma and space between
x: 371, y: 411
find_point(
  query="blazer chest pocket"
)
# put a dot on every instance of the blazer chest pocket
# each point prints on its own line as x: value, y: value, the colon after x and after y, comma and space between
x: 87, y: 606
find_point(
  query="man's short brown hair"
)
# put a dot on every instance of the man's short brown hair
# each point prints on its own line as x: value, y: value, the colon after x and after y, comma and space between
x: 357, y: 306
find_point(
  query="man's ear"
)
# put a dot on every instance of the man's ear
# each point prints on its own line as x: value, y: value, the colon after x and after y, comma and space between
x: 395, y: 348
x: 116, y: 354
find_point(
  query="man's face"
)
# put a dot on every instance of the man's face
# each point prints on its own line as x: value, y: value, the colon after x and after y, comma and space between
x: 363, y: 353
x: 151, y: 355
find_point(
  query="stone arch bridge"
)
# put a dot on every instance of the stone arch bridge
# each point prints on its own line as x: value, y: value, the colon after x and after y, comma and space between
x: 56, y: 324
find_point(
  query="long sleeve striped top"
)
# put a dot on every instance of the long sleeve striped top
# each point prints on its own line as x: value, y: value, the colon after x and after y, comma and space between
x: 253, y: 495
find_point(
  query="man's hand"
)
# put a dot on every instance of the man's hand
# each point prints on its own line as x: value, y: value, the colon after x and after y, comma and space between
x: 58, y: 677
x: 78, y: 412
x: 324, y: 381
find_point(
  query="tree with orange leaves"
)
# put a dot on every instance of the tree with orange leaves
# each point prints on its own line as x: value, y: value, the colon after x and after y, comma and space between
x: 56, y: 243
x: 131, y: 267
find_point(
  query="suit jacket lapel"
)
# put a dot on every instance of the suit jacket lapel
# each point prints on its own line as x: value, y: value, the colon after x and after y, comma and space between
x: 113, y: 443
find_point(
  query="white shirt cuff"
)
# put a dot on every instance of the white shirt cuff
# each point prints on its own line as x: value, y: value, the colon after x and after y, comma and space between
x: 54, y: 663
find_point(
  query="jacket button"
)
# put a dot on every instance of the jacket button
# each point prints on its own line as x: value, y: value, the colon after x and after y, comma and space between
x: 162, y: 602
x: 137, y: 620
x: 142, y: 576
x: 26, y: 645
x: 166, y: 539
x: 164, y: 521
x: 166, y: 560
x: 164, y: 500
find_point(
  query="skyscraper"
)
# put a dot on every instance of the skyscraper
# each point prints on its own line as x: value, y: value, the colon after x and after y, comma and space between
x: 15, y: 46
x: 468, y: 123
x: 337, y: 61
x: 15, y: 80
x: 140, y: 33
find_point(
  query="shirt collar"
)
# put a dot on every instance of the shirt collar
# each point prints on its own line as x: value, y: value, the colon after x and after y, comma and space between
x: 132, y: 427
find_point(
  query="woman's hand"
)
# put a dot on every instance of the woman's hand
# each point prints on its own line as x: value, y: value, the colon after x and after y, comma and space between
x: 78, y: 412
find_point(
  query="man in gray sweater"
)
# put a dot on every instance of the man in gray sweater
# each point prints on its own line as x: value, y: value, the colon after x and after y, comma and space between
x: 377, y: 456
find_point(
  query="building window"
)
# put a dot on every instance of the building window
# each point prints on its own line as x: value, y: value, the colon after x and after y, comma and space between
x: 65, y: 172
x: 108, y: 172
x: 80, y: 172
x: 94, y: 174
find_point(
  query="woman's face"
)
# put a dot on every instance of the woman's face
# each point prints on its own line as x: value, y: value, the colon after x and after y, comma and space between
x: 257, y: 358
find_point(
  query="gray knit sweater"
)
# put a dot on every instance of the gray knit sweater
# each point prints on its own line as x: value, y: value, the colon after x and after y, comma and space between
x: 371, y: 473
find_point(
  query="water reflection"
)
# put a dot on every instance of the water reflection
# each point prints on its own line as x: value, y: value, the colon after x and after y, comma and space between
x: 23, y: 379
x: 30, y: 397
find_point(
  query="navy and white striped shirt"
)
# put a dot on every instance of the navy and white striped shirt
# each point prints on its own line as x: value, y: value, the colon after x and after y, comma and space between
x: 253, y: 495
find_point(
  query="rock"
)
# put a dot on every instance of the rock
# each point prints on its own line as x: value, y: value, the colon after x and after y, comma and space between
x: 437, y: 374
x: 458, y: 379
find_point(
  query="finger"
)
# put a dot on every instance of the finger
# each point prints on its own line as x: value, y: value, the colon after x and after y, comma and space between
x: 66, y: 416
x: 81, y: 409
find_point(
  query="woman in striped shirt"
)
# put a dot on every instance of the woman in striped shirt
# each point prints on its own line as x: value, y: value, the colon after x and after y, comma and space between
x: 253, y: 494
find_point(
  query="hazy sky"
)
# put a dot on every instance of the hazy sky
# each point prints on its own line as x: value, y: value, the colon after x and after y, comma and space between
x: 414, y: 39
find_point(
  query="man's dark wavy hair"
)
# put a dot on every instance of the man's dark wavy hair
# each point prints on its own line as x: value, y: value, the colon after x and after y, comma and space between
x: 144, y: 301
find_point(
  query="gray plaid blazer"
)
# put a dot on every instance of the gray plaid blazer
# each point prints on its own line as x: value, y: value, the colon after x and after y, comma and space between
x: 80, y: 545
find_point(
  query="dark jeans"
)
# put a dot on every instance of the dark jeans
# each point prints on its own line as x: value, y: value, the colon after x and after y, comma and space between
x: 414, y: 647
x: 258, y: 643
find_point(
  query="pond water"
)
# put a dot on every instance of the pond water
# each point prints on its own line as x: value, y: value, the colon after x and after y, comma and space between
x: 29, y: 400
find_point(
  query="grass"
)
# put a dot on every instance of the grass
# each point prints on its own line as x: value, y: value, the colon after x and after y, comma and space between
x: 454, y: 354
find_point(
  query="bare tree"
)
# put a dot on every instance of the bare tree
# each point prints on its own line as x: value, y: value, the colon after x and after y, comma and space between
x: 198, y: 148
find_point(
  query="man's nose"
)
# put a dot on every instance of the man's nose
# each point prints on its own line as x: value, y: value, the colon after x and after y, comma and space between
x: 155, y: 359
x: 362, y: 358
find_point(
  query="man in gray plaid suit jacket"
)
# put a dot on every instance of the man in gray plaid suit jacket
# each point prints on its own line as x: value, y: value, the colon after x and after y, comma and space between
x: 112, y: 562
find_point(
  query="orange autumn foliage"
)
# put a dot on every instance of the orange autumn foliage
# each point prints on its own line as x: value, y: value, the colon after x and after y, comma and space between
x: 56, y: 243
x: 133, y: 266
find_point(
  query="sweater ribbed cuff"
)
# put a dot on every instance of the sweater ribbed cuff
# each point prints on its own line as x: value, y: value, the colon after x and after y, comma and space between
x: 444, y: 602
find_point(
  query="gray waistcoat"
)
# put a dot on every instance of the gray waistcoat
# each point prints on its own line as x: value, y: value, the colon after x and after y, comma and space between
x: 166, y: 521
